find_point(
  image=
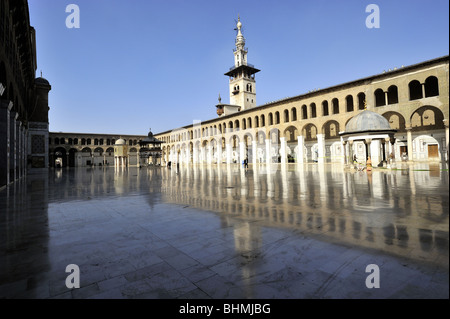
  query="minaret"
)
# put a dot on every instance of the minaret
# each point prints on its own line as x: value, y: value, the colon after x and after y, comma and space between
x: 242, y: 75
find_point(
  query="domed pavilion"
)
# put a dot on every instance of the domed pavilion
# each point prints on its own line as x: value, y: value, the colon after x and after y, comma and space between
x: 374, y: 131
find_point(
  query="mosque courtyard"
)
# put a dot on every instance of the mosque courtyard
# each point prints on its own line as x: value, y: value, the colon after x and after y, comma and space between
x: 303, y: 231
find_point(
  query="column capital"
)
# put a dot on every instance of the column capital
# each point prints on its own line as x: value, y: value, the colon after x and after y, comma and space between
x: 445, y: 122
x: 408, y: 127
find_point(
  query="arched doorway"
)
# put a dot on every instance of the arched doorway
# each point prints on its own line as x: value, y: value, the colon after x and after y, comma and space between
x: 60, y: 157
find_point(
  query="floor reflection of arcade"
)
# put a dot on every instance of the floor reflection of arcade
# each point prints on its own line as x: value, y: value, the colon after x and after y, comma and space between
x: 226, y: 232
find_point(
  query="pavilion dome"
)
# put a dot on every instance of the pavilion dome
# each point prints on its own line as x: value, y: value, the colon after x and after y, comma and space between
x: 120, y: 141
x: 367, y: 121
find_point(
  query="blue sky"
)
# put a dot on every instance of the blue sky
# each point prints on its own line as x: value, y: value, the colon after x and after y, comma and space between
x: 160, y: 64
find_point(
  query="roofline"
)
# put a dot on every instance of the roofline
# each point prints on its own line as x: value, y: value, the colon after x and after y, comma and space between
x: 99, y: 134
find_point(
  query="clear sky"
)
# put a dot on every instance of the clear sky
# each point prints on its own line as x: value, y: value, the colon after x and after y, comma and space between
x: 160, y: 64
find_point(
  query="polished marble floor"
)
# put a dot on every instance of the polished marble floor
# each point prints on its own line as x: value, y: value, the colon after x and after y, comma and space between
x: 284, y: 232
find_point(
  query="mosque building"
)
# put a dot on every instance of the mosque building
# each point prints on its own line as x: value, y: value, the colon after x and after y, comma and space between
x: 408, y: 105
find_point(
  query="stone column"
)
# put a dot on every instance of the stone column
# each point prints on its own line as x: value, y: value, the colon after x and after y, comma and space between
x: 283, y: 150
x: 446, y: 139
x: 268, y: 157
x: 5, y: 108
x: 409, y: 141
x: 301, y: 149
x: 254, y: 152
x: 321, y: 148
x: 367, y: 143
x: 242, y: 154
x: 219, y: 152
x: 195, y: 154
x: 13, y: 172
x: 344, y: 149
x: 228, y: 150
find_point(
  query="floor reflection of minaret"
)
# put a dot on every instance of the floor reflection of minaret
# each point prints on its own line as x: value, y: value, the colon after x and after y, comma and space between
x: 248, y: 239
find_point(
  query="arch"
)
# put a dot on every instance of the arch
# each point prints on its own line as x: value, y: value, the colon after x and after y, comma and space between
x: 313, y: 109
x: 415, y: 90
x: 427, y: 117
x: 274, y: 136
x: 133, y: 150
x: 110, y: 151
x: 293, y: 114
x: 244, y: 124
x: 291, y: 133
x: 263, y: 120
x: 236, y: 125
x: 285, y: 116
x: 309, y: 131
x: 396, y: 121
x: 361, y: 100
x: 277, y: 117
x: 260, y: 137
x: 380, y: 97
x: 256, y: 121
x: 72, y: 157
x: 392, y: 95
x: 270, y: 119
x: 331, y: 129
x: 230, y: 126
x: 304, y: 112
x: 86, y: 150
x: 335, y: 105
x: 325, y: 109
x: 431, y: 86
x: 249, y: 122
x: 60, y: 157
x: 99, y: 150
x: 349, y: 103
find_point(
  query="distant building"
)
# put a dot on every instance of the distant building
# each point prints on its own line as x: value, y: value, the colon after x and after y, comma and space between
x: 23, y: 98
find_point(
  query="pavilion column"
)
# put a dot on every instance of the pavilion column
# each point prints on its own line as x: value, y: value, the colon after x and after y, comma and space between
x: 350, y: 151
x: 409, y: 141
x: 283, y: 150
x: 321, y: 148
x: 228, y: 150
x: 392, y: 142
x: 344, y: 147
x: 367, y: 143
x: 268, y: 159
x: 254, y: 152
x: 446, y: 139
x: 301, y: 149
